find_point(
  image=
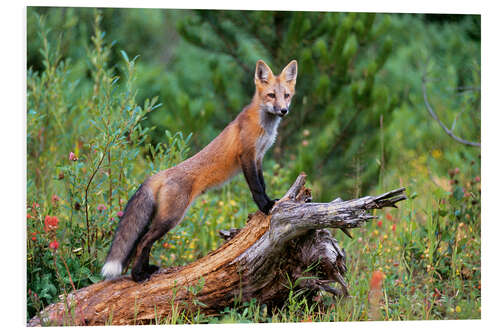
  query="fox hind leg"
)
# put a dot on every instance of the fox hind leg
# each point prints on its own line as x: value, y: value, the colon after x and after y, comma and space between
x: 142, y: 270
x: 173, y: 203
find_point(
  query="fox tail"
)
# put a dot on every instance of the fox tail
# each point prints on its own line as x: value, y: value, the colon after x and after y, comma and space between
x: 132, y: 226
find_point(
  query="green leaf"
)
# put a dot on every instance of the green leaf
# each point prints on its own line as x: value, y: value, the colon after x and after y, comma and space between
x: 125, y: 56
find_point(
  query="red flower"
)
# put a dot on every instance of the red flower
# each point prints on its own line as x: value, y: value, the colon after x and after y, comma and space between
x: 119, y: 214
x: 29, y: 216
x: 54, y: 245
x: 393, y: 227
x: 101, y: 207
x: 72, y: 157
x: 379, y: 223
x: 477, y: 179
x: 33, y: 238
x: 51, y: 223
x: 55, y: 199
x: 388, y: 216
x: 376, y: 281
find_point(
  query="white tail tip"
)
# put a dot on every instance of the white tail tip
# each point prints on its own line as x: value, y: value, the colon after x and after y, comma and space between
x: 111, y: 269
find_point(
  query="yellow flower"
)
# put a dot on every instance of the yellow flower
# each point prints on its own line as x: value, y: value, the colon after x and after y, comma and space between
x: 436, y: 153
x: 458, y: 309
x: 232, y: 202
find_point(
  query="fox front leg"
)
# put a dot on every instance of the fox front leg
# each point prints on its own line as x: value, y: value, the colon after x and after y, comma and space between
x: 255, y: 182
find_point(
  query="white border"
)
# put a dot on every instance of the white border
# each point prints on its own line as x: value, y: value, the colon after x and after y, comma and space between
x: 13, y: 87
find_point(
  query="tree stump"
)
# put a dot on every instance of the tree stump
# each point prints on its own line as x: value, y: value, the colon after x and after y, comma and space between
x: 257, y: 261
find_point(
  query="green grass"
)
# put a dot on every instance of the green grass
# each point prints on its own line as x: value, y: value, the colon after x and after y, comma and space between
x: 428, y: 252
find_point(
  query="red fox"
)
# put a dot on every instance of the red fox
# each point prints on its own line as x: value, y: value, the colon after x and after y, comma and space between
x: 159, y: 204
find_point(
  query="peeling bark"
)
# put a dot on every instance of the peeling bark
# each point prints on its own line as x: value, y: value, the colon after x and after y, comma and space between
x: 257, y: 261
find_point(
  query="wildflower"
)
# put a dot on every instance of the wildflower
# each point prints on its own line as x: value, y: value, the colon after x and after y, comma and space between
x: 54, y: 245
x: 50, y: 223
x: 33, y: 236
x: 112, y: 219
x: 306, y: 132
x: 375, y: 294
x: 379, y: 223
x: 477, y: 179
x: 35, y: 206
x: 458, y: 309
x: 119, y: 214
x: 101, y: 207
x: 72, y: 157
x: 393, y: 227
x: 28, y: 216
x: 376, y: 280
x: 436, y: 153
x: 305, y: 143
x: 55, y: 199
x: 165, y: 245
x: 388, y: 216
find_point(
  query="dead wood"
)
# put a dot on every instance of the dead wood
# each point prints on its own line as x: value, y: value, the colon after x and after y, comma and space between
x: 258, y: 261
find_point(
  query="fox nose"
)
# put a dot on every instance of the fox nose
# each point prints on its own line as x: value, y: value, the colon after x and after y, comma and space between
x: 284, y: 111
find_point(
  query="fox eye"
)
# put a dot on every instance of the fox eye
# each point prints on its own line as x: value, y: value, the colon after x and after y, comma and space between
x: 272, y: 95
x: 287, y: 95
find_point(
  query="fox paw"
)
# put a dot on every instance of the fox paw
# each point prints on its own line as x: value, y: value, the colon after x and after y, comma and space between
x: 269, y: 206
x: 140, y: 276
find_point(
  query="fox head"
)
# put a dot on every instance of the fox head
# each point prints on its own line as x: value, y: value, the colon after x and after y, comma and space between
x: 275, y: 92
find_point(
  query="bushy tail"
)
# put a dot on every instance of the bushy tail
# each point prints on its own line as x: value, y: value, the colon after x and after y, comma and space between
x: 131, y: 228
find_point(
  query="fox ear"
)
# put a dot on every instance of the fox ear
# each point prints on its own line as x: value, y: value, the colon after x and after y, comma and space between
x: 289, y: 73
x: 262, y: 72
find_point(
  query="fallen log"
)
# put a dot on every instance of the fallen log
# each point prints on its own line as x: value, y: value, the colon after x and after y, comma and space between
x: 257, y: 261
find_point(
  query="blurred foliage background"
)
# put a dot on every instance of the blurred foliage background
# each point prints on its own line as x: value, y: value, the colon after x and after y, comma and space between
x: 133, y: 91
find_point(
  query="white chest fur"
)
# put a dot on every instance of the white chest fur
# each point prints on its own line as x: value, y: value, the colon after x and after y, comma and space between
x: 270, y: 125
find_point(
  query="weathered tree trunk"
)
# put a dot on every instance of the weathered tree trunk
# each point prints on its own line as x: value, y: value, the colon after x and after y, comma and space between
x: 256, y: 262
